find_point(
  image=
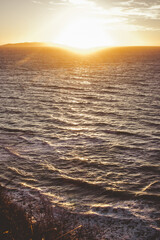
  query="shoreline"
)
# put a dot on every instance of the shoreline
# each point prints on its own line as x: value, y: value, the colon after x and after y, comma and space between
x: 32, y: 216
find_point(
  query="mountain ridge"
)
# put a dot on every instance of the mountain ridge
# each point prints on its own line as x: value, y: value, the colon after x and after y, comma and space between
x: 25, y: 44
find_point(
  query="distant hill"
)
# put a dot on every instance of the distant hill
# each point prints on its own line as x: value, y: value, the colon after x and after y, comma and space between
x: 98, y: 52
x: 25, y: 44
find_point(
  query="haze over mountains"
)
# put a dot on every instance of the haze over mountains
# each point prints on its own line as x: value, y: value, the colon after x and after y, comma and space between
x: 43, y: 44
x: 98, y: 53
x: 25, y: 44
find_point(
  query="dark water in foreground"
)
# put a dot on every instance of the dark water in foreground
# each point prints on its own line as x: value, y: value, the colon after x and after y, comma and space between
x: 85, y: 131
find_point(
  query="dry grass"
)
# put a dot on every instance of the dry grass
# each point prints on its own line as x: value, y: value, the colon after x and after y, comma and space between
x: 16, y: 224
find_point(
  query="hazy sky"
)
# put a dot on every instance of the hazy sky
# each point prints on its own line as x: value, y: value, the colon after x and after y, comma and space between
x: 125, y: 22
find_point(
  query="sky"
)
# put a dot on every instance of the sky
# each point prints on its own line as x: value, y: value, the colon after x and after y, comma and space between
x: 81, y: 23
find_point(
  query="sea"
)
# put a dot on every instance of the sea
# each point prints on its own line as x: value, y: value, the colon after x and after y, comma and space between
x: 84, y: 132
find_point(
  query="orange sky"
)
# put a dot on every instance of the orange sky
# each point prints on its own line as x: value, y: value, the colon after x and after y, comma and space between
x: 81, y: 23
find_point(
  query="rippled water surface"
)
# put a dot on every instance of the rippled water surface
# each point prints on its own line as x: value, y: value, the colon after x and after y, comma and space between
x: 84, y: 130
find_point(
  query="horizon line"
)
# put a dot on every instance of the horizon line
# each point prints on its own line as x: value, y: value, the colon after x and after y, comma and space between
x: 50, y: 44
x: 79, y: 51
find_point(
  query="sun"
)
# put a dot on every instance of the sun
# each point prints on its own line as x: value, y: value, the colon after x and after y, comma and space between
x: 84, y: 33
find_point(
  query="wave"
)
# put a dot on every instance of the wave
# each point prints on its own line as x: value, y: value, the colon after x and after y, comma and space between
x: 20, y: 172
x: 99, y: 190
x: 14, y: 153
x: 150, y: 168
x: 125, y: 133
x: 17, y: 130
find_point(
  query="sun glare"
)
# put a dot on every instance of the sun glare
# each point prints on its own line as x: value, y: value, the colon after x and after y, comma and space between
x: 84, y: 34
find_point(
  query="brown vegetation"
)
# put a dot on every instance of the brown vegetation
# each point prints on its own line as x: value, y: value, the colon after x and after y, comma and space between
x: 16, y: 224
